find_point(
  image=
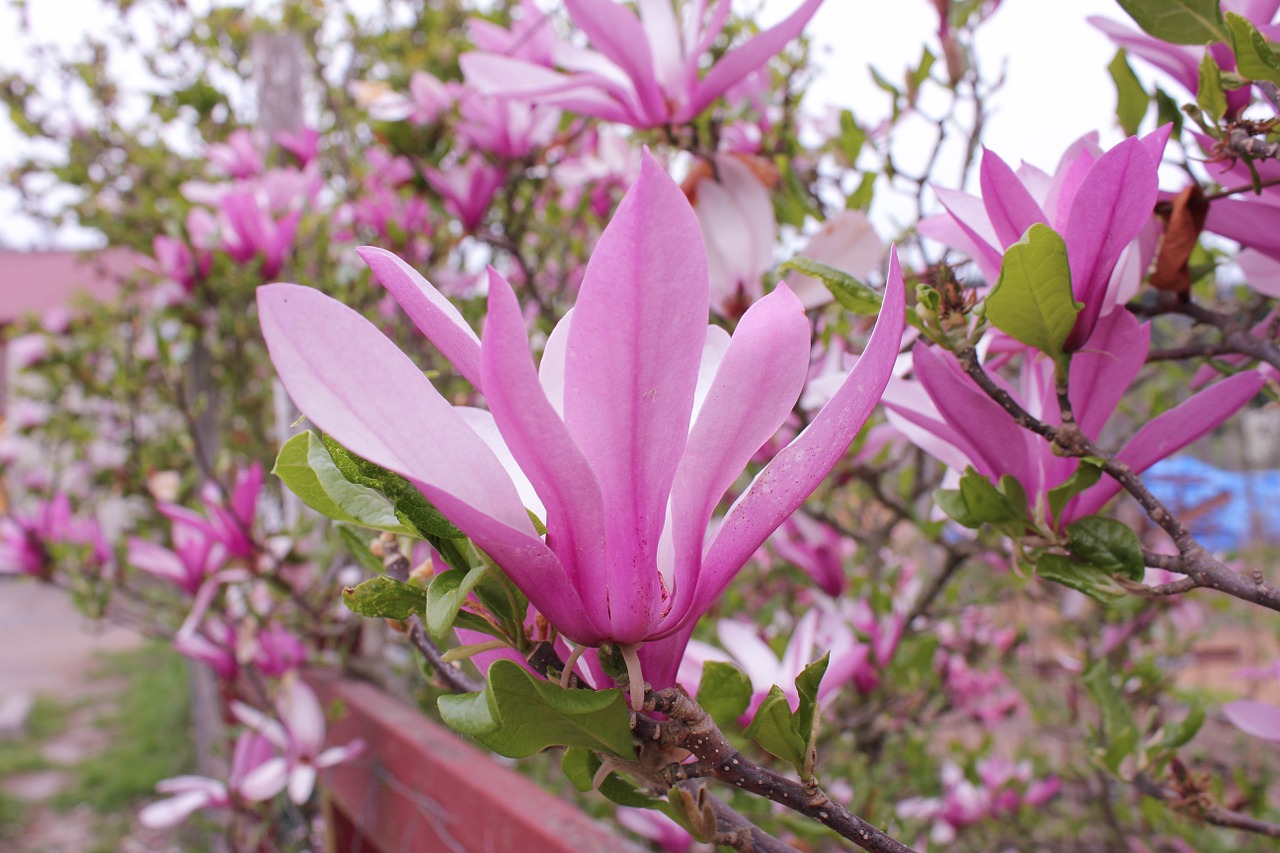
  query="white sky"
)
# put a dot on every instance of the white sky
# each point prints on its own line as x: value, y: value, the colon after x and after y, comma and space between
x: 1057, y: 84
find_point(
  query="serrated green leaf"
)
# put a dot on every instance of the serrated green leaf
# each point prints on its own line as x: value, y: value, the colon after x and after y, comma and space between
x: 1255, y: 59
x: 414, y: 511
x: 1178, y: 21
x: 724, y: 692
x: 358, y: 545
x: 1118, y: 728
x: 774, y: 729
x: 1032, y: 300
x: 446, y: 594
x: 1086, y: 474
x: 1107, y: 544
x: 519, y: 714
x: 852, y: 294
x: 1210, y: 96
x: 305, y: 466
x: 1132, y: 99
x: 385, y: 597
x: 1082, y: 577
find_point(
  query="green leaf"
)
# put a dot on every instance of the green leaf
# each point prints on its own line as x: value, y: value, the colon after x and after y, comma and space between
x: 978, y: 502
x: 1255, y: 59
x: 519, y: 714
x: 1118, y: 729
x: 1132, y: 99
x: 1167, y: 112
x: 724, y: 692
x: 1178, y: 21
x: 305, y: 466
x: 1107, y: 544
x: 1210, y: 96
x: 1085, y: 475
x: 861, y: 197
x: 580, y: 766
x: 385, y: 597
x: 774, y: 729
x: 1032, y: 299
x: 446, y: 594
x: 413, y: 510
x: 807, y: 684
x: 851, y: 139
x: 1082, y: 577
x: 358, y: 545
x: 848, y: 291
x: 1181, y: 733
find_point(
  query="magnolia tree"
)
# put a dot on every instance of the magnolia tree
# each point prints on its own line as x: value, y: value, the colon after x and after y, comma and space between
x: 775, y: 536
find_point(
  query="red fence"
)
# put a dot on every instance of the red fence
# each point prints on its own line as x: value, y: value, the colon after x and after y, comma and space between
x: 419, y: 787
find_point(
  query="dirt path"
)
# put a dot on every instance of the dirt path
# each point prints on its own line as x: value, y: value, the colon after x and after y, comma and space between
x: 48, y: 649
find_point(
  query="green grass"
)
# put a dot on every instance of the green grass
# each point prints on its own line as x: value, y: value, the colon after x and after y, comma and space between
x: 150, y: 733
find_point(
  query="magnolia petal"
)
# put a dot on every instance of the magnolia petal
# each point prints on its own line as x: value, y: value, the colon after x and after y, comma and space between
x: 1173, y: 430
x: 798, y: 468
x: 1113, y: 202
x: 433, y: 314
x: 174, y: 810
x: 755, y: 389
x: 744, y: 59
x: 302, y: 781
x: 266, y: 780
x: 994, y: 444
x: 1010, y: 207
x: 615, y: 31
x: 1103, y: 369
x: 482, y: 423
x: 1259, y: 719
x: 545, y: 451
x: 551, y: 367
x: 302, y: 715
x: 360, y: 388
x: 493, y: 74
x: 630, y: 376
x: 970, y: 215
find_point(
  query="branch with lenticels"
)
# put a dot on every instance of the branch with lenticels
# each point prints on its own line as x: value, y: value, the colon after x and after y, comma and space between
x: 1201, y: 568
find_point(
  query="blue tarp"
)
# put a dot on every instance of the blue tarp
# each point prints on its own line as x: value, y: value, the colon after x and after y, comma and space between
x: 1226, y: 510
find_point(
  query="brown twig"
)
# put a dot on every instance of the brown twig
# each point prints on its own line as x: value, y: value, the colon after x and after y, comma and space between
x: 1195, y: 561
x: 689, y: 727
x: 1206, y: 812
x: 453, y: 677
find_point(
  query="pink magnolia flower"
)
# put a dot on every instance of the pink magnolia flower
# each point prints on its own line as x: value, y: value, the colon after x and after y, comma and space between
x: 642, y: 71
x: 1099, y: 204
x: 467, y: 189
x: 629, y: 433
x: 816, y: 548
x: 197, y: 793
x: 1259, y: 719
x: 238, y: 157
x: 1002, y: 788
x: 24, y: 537
x: 946, y: 414
x: 508, y: 129
x: 303, y: 144
x: 299, y: 734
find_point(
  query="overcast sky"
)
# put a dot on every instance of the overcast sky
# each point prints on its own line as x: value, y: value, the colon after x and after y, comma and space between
x: 1057, y: 83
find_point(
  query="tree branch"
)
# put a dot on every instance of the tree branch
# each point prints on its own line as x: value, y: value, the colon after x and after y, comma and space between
x: 1195, y: 561
x: 1207, y: 812
x: 690, y: 728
